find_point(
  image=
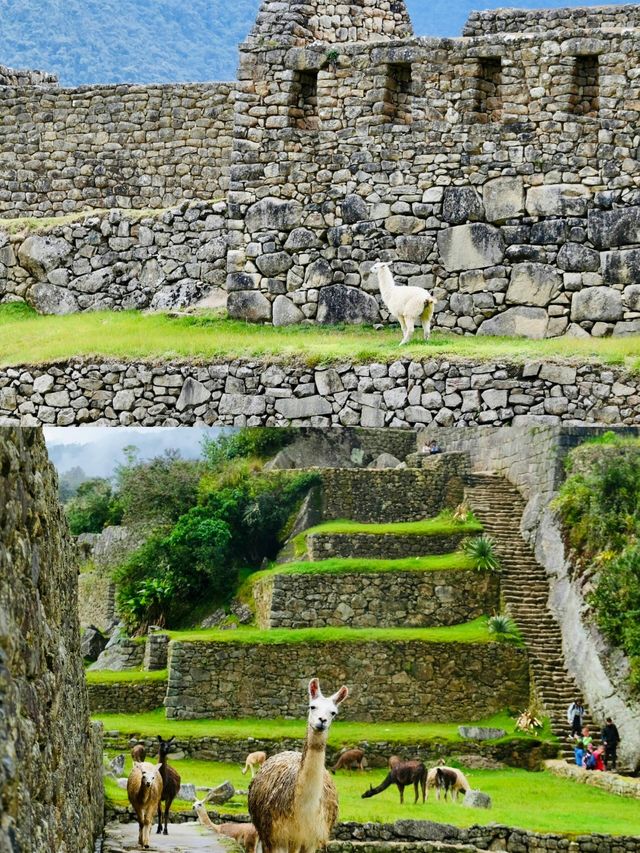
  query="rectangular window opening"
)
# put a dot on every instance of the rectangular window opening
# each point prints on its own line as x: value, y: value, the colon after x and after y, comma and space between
x: 304, y: 100
x: 585, y: 86
x: 486, y: 94
x: 398, y: 92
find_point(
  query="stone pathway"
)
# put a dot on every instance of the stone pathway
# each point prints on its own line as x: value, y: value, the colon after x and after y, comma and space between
x: 182, y: 838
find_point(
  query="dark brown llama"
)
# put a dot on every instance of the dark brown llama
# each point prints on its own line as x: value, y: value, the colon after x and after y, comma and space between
x: 348, y: 759
x: 138, y: 752
x: 402, y: 774
x: 170, y: 782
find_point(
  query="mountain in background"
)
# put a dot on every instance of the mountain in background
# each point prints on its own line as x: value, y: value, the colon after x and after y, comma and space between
x: 164, y: 41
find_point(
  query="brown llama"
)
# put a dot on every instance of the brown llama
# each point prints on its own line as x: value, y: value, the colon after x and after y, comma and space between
x: 138, y: 752
x: 170, y: 783
x: 348, y: 758
x: 402, y: 774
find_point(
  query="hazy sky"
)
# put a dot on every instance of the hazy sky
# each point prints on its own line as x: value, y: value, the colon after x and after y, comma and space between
x: 97, y: 450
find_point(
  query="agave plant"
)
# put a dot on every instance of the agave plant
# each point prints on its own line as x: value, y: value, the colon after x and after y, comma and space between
x: 502, y: 626
x: 482, y: 551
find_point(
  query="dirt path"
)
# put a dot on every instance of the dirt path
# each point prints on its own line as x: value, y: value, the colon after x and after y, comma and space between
x: 182, y: 838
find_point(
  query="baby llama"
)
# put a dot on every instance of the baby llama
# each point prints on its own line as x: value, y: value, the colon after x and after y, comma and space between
x: 293, y: 801
x: 409, y: 305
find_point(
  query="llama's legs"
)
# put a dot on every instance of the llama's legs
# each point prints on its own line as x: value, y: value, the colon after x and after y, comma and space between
x: 415, y: 791
x: 401, y: 789
x: 409, y: 327
x: 253, y: 772
x: 403, y: 326
x: 166, y: 817
x: 423, y: 785
x: 427, y: 315
x: 159, y: 817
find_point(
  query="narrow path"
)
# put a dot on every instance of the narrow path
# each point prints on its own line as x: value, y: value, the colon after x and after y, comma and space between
x: 182, y: 838
x: 525, y: 589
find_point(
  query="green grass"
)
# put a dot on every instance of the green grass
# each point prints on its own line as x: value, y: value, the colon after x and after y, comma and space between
x: 27, y: 338
x: 342, y: 732
x: 534, y: 801
x: 107, y: 676
x: 468, y: 632
x: 453, y: 562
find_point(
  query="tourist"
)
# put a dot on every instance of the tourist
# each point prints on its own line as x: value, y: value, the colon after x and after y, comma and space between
x: 434, y: 448
x: 599, y: 754
x: 610, y: 737
x: 575, y: 713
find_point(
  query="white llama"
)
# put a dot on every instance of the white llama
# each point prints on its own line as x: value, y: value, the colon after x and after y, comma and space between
x: 293, y: 801
x: 409, y: 305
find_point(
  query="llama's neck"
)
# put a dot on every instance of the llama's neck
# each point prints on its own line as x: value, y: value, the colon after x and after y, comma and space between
x: 311, y: 775
x: 204, y: 818
x: 385, y: 283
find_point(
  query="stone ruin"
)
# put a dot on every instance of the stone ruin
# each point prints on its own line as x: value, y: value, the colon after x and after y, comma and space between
x: 499, y: 170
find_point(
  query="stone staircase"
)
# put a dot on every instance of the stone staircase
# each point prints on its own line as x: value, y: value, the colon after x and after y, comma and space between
x: 499, y: 507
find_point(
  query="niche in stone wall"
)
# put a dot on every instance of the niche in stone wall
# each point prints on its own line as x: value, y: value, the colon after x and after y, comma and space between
x: 484, y: 96
x: 398, y: 92
x: 585, y: 86
x: 303, y: 107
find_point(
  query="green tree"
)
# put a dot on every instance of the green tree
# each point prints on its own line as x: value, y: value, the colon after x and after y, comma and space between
x: 94, y: 507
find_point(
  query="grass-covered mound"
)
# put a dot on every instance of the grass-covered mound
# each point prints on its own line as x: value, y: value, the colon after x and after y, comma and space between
x: 599, y: 505
x: 127, y: 676
x: 153, y: 723
x: 29, y: 338
x: 468, y: 632
x: 535, y: 801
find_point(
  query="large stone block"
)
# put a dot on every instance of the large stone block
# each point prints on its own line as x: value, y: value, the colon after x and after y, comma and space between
x: 597, y: 304
x: 285, y: 313
x: 461, y: 204
x: 273, y: 214
x: 621, y: 267
x: 533, y: 284
x: 41, y: 253
x: 609, y: 228
x: 468, y: 247
x: 354, y: 209
x: 574, y: 257
x: 249, y: 305
x: 521, y: 322
x: 48, y: 299
x: 503, y: 198
x: 557, y: 200
x: 341, y: 304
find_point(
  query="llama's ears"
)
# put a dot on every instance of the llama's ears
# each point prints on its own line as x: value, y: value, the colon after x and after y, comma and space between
x: 340, y: 696
x: 314, y: 689
x: 158, y: 767
x: 171, y: 739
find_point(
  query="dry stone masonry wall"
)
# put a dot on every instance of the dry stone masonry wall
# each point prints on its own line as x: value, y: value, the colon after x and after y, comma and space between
x: 50, y: 754
x: 119, y: 697
x: 406, y: 394
x: 118, y: 261
x: 374, y: 600
x: 235, y: 679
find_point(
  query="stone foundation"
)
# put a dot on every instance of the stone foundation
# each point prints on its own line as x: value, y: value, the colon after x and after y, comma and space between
x: 126, y: 697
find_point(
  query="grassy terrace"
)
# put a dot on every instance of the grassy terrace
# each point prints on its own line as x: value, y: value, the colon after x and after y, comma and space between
x: 27, y: 338
x: 153, y: 723
x: 453, y: 562
x: 469, y: 632
x: 108, y: 676
x: 535, y: 801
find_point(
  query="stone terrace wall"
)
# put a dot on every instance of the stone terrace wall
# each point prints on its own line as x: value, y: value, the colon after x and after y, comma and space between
x: 244, y: 392
x: 15, y: 77
x: 63, y: 150
x: 545, y: 20
x: 369, y: 600
x: 518, y: 213
x: 50, y: 755
x: 393, y: 495
x: 324, y: 546
x: 126, y: 697
x: 118, y: 261
x: 244, y: 680
x: 96, y: 600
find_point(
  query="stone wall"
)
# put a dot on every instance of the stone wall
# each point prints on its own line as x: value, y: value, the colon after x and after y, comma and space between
x: 235, y: 679
x: 246, y: 392
x: 16, y: 77
x: 614, y: 783
x: 50, y: 754
x: 118, y: 260
x: 374, y: 600
x: 393, y: 495
x: 514, y: 753
x: 64, y: 150
x: 96, y: 600
x: 493, y: 21
x: 324, y: 546
x: 126, y: 697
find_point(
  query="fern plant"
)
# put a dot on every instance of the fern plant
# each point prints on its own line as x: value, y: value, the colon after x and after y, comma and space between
x: 502, y: 627
x: 482, y: 551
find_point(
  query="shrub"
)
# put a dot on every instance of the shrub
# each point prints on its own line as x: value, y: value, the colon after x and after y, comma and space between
x: 502, y: 626
x: 94, y: 507
x: 482, y: 551
x: 159, y: 490
x: 251, y: 442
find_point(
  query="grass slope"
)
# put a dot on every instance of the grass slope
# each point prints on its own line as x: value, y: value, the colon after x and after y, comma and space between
x: 534, y: 801
x: 342, y: 732
x: 27, y: 338
x: 107, y: 676
x: 469, y: 632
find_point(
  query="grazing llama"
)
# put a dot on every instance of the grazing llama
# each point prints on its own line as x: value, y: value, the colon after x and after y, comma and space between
x: 409, y: 305
x: 348, y: 759
x: 244, y: 833
x: 170, y: 783
x: 254, y: 762
x: 138, y: 752
x: 459, y: 786
x: 402, y: 774
x: 293, y: 801
x: 144, y: 789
